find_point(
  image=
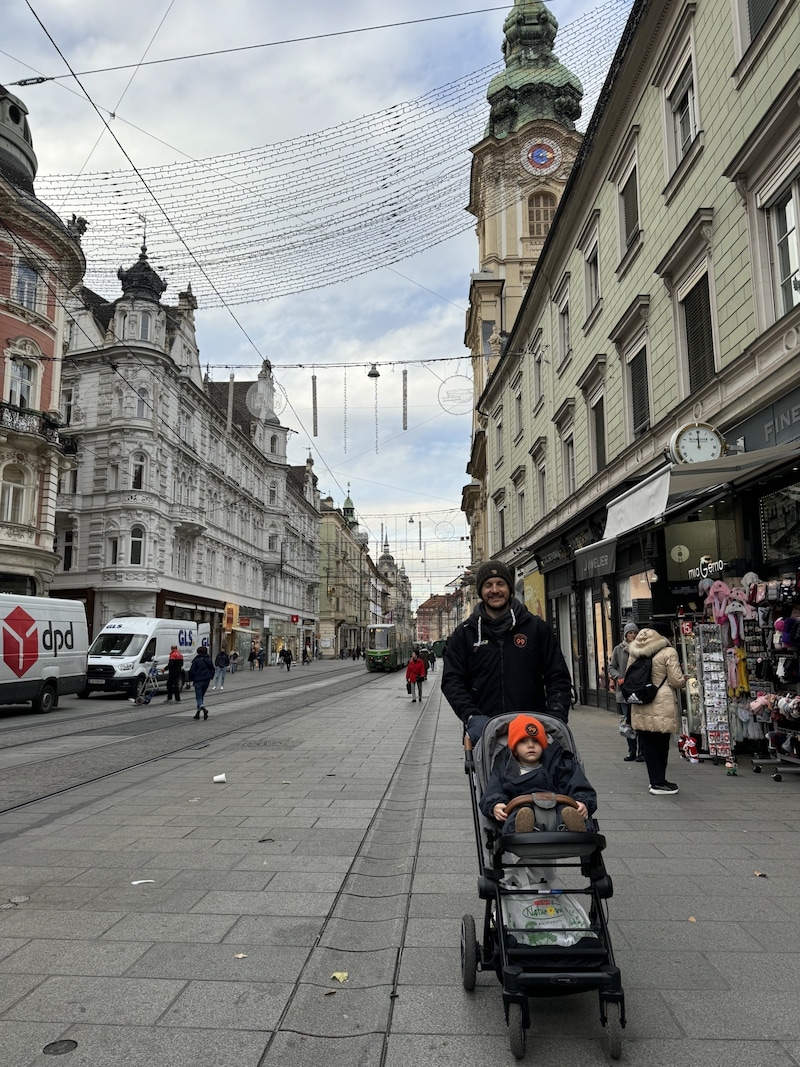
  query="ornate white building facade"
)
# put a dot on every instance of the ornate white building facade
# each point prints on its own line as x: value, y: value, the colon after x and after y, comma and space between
x: 182, y: 503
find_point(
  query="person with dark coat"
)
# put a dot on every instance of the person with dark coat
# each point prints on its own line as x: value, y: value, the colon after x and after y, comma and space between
x: 201, y: 672
x: 503, y: 659
x: 415, y: 674
x: 617, y: 666
x: 533, y: 763
x: 655, y: 722
x: 174, y: 675
x: 221, y: 664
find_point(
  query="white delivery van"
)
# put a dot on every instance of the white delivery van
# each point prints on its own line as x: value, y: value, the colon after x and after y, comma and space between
x: 126, y: 648
x: 44, y: 645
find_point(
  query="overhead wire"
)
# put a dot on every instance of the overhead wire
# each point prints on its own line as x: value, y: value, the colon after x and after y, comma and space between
x: 305, y: 213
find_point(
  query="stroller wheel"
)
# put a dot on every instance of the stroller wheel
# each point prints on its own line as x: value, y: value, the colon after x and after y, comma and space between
x: 517, y: 1038
x: 469, y: 952
x: 613, y: 1031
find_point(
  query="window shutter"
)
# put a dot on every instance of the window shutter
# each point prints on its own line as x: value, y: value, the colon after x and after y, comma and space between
x: 640, y: 398
x: 699, y: 337
x: 630, y: 207
x: 599, y: 416
x: 758, y: 12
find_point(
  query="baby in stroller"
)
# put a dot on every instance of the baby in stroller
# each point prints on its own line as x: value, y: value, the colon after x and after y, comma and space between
x: 531, y: 766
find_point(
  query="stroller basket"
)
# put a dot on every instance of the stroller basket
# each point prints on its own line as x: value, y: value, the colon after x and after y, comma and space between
x: 545, y: 929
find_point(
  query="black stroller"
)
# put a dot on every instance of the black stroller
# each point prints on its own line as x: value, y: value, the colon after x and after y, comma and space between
x: 545, y: 930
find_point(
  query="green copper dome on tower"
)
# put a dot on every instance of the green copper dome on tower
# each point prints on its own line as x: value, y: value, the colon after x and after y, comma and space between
x: 534, y: 85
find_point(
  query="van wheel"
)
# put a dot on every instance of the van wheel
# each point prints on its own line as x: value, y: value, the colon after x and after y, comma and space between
x: 46, y: 700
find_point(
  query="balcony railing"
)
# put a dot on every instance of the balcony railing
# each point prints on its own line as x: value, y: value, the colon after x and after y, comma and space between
x: 20, y: 421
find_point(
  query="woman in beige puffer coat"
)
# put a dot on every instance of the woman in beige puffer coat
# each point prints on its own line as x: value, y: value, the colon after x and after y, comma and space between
x: 660, y: 719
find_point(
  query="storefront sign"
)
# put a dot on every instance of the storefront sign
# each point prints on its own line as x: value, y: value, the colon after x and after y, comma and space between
x: 708, y: 568
x: 294, y: 618
x: 243, y: 621
x: 596, y: 560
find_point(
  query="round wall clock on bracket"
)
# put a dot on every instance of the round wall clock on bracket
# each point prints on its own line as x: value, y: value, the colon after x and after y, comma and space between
x: 696, y: 442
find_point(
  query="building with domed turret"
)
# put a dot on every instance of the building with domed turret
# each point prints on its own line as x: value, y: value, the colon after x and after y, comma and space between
x: 40, y: 262
x: 519, y: 172
x: 182, y: 504
x: 354, y: 591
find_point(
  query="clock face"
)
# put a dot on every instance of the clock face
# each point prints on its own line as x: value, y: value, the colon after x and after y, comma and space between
x: 694, y: 444
x: 541, y: 156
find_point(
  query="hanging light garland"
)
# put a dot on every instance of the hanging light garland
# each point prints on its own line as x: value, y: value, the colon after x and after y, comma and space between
x: 374, y: 373
x: 314, y: 404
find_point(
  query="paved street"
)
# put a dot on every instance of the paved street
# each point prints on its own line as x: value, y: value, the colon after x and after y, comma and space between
x: 175, y: 922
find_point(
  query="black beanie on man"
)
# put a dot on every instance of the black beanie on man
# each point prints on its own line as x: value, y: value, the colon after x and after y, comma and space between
x: 493, y: 568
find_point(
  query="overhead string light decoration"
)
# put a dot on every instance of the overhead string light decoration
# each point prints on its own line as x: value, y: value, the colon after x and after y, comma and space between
x: 374, y: 373
x: 263, y: 220
x: 405, y: 399
x: 314, y: 404
x: 344, y: 408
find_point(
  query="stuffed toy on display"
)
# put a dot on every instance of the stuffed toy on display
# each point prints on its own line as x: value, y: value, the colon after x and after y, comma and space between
x: 687, y: 746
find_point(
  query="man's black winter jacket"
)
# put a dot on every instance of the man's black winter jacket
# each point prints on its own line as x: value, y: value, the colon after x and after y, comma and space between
x: 523, y: 671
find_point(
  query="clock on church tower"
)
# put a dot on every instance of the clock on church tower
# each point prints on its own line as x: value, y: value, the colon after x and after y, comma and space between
x: 541, y: 156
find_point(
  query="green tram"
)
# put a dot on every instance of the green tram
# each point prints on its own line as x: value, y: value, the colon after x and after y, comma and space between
x: 388, y: 649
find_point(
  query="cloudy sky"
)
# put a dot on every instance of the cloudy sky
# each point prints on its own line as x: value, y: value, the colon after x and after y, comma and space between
x: 331, y: 117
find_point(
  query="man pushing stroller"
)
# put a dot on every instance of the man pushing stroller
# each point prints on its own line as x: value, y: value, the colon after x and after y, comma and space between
x: 533, y: 764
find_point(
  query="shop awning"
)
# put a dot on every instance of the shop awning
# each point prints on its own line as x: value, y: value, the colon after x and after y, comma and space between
x: 673, y: 487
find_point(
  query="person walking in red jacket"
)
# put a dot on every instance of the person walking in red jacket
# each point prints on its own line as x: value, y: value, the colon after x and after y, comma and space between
x: 415, y: 672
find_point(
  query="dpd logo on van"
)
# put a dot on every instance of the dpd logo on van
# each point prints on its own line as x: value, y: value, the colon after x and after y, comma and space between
x: 20, y: 641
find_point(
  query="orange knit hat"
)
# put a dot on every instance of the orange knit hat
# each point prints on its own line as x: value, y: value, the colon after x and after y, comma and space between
x: 526, y: 726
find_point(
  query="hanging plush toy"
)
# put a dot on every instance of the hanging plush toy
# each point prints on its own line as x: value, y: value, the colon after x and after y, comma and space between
x: 718, y: 599
x: 750, y: 585
x: 687, y: 746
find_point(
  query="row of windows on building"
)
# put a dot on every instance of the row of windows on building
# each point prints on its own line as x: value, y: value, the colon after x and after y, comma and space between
x: 688, y: 277
x: 129, y: 549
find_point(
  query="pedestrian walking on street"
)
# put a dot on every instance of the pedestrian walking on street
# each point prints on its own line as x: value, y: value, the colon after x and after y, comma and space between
x: 503, y: 659
x: 200, y: 673
x: 415, y: 673
x: 656, y: 721
x: 234, y: 661
x: 221, y: 664
x: 251, y: 659
x: 174, y: 675
x: 261, y: 655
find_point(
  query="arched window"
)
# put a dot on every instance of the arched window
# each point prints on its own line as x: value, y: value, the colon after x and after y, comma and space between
x: 541, y: 208
x: 21, y: 383
x: 27, y: 286
x: 273, y: 444
x: 273, y: 542
x: 142, y: 403
x: 137, y: 470
x: 123, y: 325
x: 144, y: 327
x: 273, y: 493
x: 12, y: 494
x: 137, y: 546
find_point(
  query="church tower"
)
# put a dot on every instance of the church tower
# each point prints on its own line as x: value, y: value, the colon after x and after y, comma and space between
x: 519, y: 171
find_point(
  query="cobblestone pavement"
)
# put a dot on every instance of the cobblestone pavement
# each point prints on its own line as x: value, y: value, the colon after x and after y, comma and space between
x: 165, y: 919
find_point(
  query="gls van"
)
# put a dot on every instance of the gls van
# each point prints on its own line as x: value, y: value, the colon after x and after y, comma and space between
x: 44, y: 645
x: 123, y: 652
